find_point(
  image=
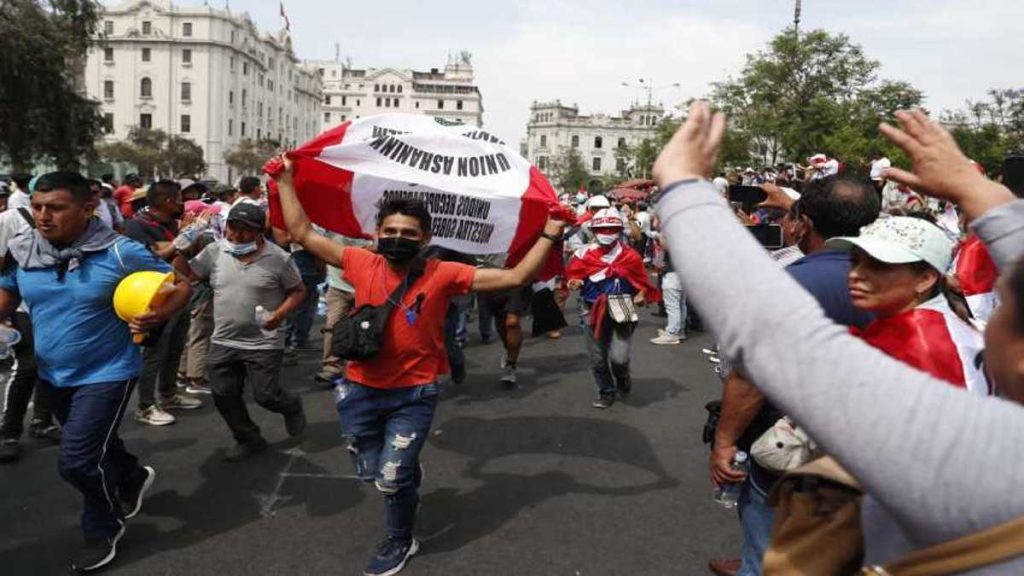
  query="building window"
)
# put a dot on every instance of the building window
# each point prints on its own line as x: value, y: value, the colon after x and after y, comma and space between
x: 186, y: 29
x: 359, y: 102
x: 440, y: 104
x: 392, y: 89
x: 343, y: 100
x: 245, y: 68
x: 108, y: 89
x: 620, y: 165
x: 417, y: 105
x: 231, y: 97
x: 108, y: 54
x: 243, y: 130
x: 146, y: 88
x: 542, y: 162
x: 327, y: 100
x: 145, y: 121
x: 458, y: 104
x: 399, y: 88
x: 245, y: 96
x: 597, y: 164
x: 598, y: 142
x: 186, y: 56
x: 232, y: 36
x: 108, y: 27
x: 622, y: 143
x: 186, y: 91
x: 543, y: 140
x: 327, y: 117
x: 146, y: 54
x: 575, y: 141
x: 186, y: 123
x: 231, y: 127
x: 108, y: 123
x: 147, y: 28
x: 378, y: 102
x: 231, y: 63
x: 343, y: 118
x: 376, y: 87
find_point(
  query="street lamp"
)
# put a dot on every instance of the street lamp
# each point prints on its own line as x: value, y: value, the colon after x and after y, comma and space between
x: 648, y: 85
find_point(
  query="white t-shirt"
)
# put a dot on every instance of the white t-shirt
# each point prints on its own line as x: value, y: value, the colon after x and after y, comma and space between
x: 878, y: 165
x: 12, y: 224
x: 721, y: 184
x: 18, y: 199
x: 829, y: 168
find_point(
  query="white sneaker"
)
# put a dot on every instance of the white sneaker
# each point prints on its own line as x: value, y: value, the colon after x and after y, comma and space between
x: 666, y: 339
x: 662, y: 332
x: 154, y: 416
x: 509, y: 377
x: 180, y: 401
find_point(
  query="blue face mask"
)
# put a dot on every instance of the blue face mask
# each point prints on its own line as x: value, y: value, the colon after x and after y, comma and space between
x: 240, y: 249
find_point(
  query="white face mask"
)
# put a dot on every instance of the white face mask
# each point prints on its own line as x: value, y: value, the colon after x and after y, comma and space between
x: 607, y: 239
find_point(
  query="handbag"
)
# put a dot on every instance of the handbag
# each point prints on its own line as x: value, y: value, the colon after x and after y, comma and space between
x: 621, y: 308
x: 818, y: 531
x: 360, y: 334
x: 783, y: 447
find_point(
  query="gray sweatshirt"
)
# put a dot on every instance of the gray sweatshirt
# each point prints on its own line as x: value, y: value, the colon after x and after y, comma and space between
x: 938, y: 462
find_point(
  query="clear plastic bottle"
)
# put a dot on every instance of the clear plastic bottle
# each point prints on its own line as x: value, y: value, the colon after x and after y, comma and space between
x: 8, y: 338
x: 262, y: 316
x: 729, y: 494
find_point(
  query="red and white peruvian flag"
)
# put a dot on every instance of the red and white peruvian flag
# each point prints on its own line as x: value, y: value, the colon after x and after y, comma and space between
x: 933, y: 339
x: 977, y: 275
x: 483, y: 196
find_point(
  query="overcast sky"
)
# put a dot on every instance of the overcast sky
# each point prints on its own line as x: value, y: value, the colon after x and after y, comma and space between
x: 580, y: 51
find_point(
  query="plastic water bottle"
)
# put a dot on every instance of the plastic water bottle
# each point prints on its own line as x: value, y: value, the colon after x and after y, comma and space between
x: 729, y: 494
x: 262, y: 317
x: 8, y: 338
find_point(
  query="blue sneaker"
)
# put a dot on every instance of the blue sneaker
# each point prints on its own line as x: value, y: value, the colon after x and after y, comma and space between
x: 391, y: 557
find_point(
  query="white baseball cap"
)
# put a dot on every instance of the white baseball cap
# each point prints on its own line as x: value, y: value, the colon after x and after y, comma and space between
x: 607, y: 218
x: 901, y: 240
x: 598, y: 202
x: 818, y: 158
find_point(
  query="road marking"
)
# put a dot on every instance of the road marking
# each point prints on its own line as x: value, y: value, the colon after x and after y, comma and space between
x: 268, y: 502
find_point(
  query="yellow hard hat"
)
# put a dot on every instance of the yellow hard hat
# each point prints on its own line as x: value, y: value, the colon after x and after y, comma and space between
x: 139, y: 291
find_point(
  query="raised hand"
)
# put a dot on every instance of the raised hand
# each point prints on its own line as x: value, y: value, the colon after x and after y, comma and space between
x: 693, y: 150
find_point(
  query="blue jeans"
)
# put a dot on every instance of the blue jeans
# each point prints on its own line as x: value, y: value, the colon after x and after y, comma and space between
x: 93, y: 458
x: 385, y: 429
x: 675, y: 304
x: 300, y: 322
x: 757, y: 519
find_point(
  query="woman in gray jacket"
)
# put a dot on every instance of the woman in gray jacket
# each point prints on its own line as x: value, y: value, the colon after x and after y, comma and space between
x: 936, y: 462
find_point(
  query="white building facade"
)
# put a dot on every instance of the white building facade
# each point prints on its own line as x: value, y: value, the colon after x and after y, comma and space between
x: 554, y: 127
x: 202, y: 73
x: 350, y: 93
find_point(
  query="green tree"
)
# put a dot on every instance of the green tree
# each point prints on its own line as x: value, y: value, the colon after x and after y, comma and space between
x: 249, y: 155
x: 43, y: 113
x: 814, y: 93
x: 155, y: 154
x: 568, y: 169
x: 991, y: 129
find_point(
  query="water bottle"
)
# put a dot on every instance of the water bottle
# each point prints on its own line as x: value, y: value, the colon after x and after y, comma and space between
x: 262, y: 317
x: 729, y: 494
x: 8, y: 338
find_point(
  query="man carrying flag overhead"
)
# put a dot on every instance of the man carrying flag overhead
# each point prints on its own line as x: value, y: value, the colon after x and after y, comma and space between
x: 386, y: 402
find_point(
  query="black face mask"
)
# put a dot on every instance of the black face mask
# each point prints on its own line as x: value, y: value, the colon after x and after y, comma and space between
x: 398, y: 249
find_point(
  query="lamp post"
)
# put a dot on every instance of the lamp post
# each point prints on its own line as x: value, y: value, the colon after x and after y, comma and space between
x: 648, y: 85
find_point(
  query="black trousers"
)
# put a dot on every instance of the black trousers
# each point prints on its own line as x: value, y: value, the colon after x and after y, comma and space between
x: 160, y: 362
x: 230, y: 369
x: 22, y: 383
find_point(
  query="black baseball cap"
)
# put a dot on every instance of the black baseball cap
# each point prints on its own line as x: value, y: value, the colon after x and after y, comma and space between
x: 249, y: 214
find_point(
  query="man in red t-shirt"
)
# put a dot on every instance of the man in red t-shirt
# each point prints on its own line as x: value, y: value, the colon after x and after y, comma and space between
x: 124, y: 192
x: 387, y: 403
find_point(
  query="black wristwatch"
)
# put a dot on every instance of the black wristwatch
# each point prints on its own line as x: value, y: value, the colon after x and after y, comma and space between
x: 551, y: 237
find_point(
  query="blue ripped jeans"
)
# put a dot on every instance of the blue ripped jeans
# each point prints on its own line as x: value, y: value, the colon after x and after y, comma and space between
x: 385, y: 429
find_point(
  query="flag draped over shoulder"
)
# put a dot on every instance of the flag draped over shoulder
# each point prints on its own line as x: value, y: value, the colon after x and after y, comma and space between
x: 977, y: 275
x: 484, y: 198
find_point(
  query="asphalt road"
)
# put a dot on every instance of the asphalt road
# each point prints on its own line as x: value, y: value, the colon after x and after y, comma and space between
x: 531, y: 481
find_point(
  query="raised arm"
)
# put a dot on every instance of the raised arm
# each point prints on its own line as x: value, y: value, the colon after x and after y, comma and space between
x: 489, y: 279
x: 298, y: 224
x: 923, y: 449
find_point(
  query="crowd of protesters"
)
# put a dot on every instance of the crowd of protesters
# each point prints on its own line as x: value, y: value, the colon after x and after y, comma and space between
x: 883, y: 325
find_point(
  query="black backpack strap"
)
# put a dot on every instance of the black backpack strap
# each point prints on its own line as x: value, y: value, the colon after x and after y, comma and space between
x: 414, y: 274
x: 27, y: 216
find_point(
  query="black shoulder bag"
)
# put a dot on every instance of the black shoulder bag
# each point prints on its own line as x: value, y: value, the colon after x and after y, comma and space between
x: 360, y: 334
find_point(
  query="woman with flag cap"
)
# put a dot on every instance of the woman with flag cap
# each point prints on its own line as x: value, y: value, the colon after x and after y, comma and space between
x: 611, y: 278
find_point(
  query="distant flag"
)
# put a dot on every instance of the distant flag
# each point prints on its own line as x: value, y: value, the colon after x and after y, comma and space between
x: 287, y: 23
